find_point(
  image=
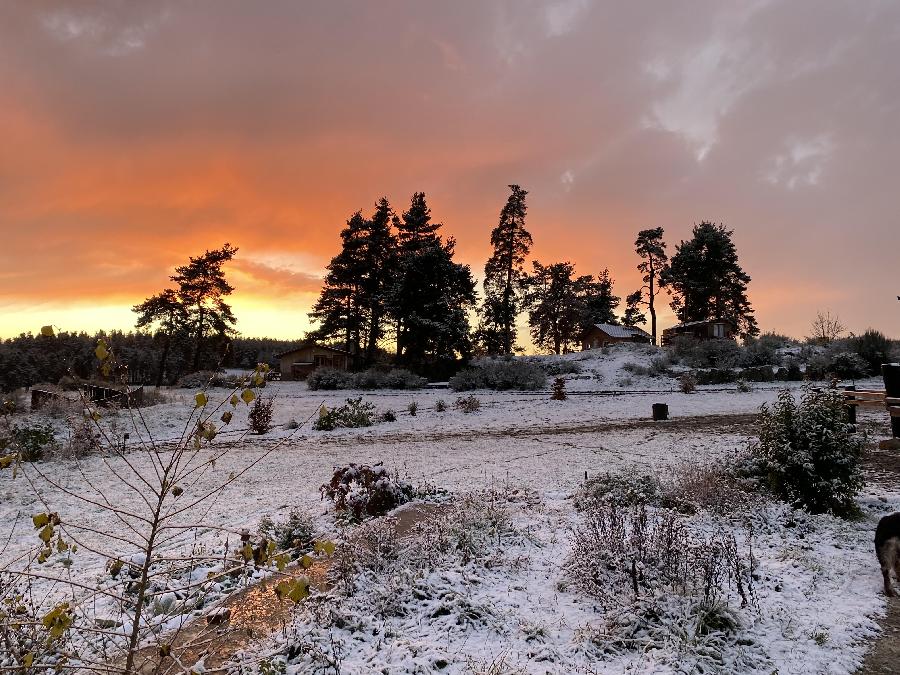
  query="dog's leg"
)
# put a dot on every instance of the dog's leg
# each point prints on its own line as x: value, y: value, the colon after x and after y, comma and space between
x: 887, y: 556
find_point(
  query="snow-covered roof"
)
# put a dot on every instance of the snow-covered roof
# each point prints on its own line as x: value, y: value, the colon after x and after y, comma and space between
x: 688, y: 324
x: 621, y: 331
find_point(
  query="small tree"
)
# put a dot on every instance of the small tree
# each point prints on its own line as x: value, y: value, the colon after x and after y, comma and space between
x: 559, y: 390
x: 808, y: 454
x: 826, y: 328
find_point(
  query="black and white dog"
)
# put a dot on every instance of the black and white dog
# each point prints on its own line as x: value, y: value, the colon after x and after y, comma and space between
x: 887, y: 548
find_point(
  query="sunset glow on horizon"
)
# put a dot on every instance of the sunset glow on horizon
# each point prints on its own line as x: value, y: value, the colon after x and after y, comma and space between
x: 134, y: 135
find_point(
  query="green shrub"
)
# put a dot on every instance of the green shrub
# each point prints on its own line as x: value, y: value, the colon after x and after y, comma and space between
x: 32, y: 441
x: 557, y: 366
x: 260, y: 415
x: 373, y: 378
x: 843, y: 365
x: 296, y: 532
x: 468, y: 404
x: 874, y: 348
x: 353, y: 414
x: 715, y: 376
x: 500, y: 374
x: 807, y: 454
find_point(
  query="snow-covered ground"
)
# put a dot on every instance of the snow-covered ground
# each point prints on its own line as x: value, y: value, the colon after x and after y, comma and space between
x: 819, y: 584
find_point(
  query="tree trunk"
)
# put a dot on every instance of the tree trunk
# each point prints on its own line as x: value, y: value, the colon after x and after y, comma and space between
x: 162, y: 361
x: 199, y: 340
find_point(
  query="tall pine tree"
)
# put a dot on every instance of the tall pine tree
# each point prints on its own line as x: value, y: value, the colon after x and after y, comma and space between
x: 166, y: 312
x: 651, y: 248
x: 380, y: 257
x: 341, y: 310
x: 707, y: 282
x: 431, y: 294
x: 633, y: 315
x: 503, y: 274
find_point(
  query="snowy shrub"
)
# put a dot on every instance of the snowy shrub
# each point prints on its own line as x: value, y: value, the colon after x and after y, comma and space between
x: 758, y: 374
x: 706, y: 353
x: 500, y: 374
x: 260, y: 415
x: 715, y: 487
x: 558, y: 366
x: 388, y: 416
x: 629, y: 552
x: 468, y: 404
x: 329, y: 379
x: 843, y: 365
x: 412, y: 408
x: 291, y: 424
x: 440, y: 405
x: 626, y: 489
x: 359, y: 491
x: 790, y: 372
x: 394, y: 378
x: 715, y: 376
x: 760, y: 352
x: 294, y: 533
x: 687, y: 383
x: 209, y: 378
x: 373, y: 378
x: 353, y: 414
x: 83, y: 439
x: 807, y: 454
x: 635, y: 368
x: 659, y: 366
x: 743, y: 387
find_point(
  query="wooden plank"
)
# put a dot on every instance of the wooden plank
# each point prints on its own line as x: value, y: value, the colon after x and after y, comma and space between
x: 894, y: 411
x: 873, y: 395
x: 892, y: 401
x: 892, y: 444
x: 867, y: 404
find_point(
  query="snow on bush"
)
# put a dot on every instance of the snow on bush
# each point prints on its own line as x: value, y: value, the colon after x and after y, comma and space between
x: 807, y: 453
x: 360, y: 491
x: 352, y: 415
x: 373, y: 378
x: 500, y: 374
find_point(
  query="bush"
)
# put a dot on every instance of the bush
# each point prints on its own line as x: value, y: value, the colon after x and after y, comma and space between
x: 373, y: 378
x: 500, y: 374
x: 715, y: 376
x: 761, y: 352
x: 359, y: 490
x: 807, y: 454
x: 744, y: 387
x: 758, y: 374
x: 627, y: 489
x: 440, y: 405
x: 413, y: 408
x: 791, y: 373
x: 559, y: 390
x: 329, y: 379
x: 874, y: 348
x: 468, y: 404
x: 84, y: 439
x: 353, y: 414
x: 843, y: 365
x: 295, y: 533
x: 260, y: 415
x: 635, y: 368
x: 31, y: 441
x: 687, y: 383
x: 557, y: 366
x: 388, y: 416
x: 209, y: 378
x: 659, y: 365
x: 706, y: 353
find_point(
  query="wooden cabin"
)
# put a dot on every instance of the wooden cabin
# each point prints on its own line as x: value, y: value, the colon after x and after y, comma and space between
x: 298, y: 363
x: 603, y: 334
x: 714, y: 329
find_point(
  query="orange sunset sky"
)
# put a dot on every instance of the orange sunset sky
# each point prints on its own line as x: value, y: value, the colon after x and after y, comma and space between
x: 134, y: 134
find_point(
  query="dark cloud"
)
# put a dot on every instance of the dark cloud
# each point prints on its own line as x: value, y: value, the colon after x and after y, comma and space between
x: 145, y: 132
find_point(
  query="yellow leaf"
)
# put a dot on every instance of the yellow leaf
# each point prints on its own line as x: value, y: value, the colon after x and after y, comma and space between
x: 247, y: 395
x: 226, y: 417
x: 29, y: 657
x: 233, y: 400
x: 47, y: 331
x: 101, y: 351
x: 200, y: 399
x: 306, y: 562
x: 40, y: 519
x: 46, y: 533
x: 326, y: 547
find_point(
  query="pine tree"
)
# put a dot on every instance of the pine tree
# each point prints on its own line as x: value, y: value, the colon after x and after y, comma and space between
x: 380, y: 256
x: 340, y: 310
x: 165, y: 311
x: 202, y: 289
x: 650, y: 246
x: 599, y: 303
x: 503, y: 273
x: 707, y: 282
x: 431, y: 294
x: 633, y: 315
x: 556, y: 302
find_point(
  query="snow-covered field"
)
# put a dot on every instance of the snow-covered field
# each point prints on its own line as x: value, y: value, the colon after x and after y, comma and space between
x: 510, y: 609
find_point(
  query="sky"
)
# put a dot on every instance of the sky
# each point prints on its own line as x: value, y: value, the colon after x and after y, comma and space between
x: 136, y: 134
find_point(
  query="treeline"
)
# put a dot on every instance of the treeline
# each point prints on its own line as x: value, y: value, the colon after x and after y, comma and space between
x: 32, y: 359
x: 395, y: 282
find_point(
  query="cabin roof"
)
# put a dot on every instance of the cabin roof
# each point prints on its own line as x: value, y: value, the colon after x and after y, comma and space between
x: 621, y: 331
x: 311, y: 345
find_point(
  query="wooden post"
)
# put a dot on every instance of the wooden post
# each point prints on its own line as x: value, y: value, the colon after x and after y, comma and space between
x: 890, y: 372
x: 660, y: 412
x: 851, y: 408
